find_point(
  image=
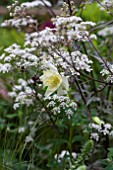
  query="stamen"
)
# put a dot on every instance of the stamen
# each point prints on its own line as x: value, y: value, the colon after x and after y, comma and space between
x: 53, y: 81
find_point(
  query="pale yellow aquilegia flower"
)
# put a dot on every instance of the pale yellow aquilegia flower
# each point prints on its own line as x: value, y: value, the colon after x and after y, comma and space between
x: 54, y: 81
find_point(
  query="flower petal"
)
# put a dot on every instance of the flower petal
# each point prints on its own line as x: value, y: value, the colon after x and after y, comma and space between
x: 64, y: 87
x: 46, y: 75
x: 50, y: 66
x: 65, y: 83
x: 61, y: 91
x: 49, y: 91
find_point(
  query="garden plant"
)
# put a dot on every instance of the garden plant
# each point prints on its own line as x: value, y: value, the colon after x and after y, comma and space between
x: 56, y: 86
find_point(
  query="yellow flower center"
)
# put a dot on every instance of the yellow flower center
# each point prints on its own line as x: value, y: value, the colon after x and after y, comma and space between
x: 53, y: 81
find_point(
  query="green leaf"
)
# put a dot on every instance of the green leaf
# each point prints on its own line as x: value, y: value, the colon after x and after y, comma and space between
x: 109, y: 167
x: 83, y: 167
x: 10, y: 116
x: 77, y: 138
x: 8, y: 37
x: 97, y: 120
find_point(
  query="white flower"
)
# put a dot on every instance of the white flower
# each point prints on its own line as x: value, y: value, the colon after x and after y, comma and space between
x: 104, y: 72
x: 54, y: 81
x: 36, y: 3
x: 95, y: 136
x: 107, y: 126
x: 21, y: 129
x: 15, y: 106
x: 63, y: 154
x: 107, y: 3
x: 12, y: 94
x: 28, y: 139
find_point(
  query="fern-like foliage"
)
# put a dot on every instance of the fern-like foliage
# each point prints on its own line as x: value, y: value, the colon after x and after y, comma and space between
x: 83, y: 156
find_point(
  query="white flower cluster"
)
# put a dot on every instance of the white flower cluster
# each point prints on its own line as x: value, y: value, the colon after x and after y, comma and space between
x: 22, y: 93
x: 67, y: 28
x: 31, y: 135
x: 28, y: 139
x: 72, y: 62
x: 21, y: 129
x: 108, y: 73
x: 15, y: 57
x: 61, y: 104
x: 104, y: 128
x: 95, y: 136
x: 20, y: 19
x: 107, y: 3
x: 41, y: 39
x: 72, y: 28
x: 36, y: 3
x: 15, y: 9
x: 19, y: 23
x: 108, y: 31
x: 29, y: 128
x: 5, y: 67
x: 64, y: 154
x: 71, y: 21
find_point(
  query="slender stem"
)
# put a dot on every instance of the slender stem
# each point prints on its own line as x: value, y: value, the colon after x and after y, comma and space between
x: 68, y: 1
x: 105, y: 63
x: 97, y: 91
x: 101, y: 26
x: 108, y: 93
x: 70, y: 138
x: 83, y: 98
x: 49, y: 8
x: 48, y: 112
x: 106, y: 145
x: 85, y: 50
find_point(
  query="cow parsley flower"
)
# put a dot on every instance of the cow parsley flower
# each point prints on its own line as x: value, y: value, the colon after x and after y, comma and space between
x: 108, y: 73
x: 106, y: 31
x: 54, y: 81
x: 95, y: 136
x: 36, y: 3
x: 21, y: 129
x: 28, y: 139
x: 107, y: 3
x: 64, y: 154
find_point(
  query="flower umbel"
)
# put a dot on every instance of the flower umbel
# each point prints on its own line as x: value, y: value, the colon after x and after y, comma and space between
x: 54, y: 81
